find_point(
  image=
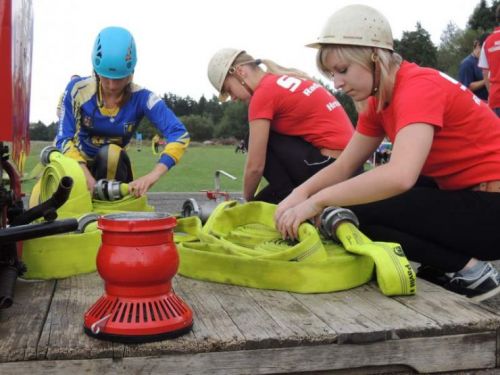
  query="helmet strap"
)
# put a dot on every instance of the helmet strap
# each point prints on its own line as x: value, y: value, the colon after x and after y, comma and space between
x: 100, y: 101
x: 376, y: 72
x: 126, y: 94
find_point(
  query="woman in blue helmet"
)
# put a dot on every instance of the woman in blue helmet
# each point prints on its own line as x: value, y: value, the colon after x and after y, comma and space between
x: 101, y: 113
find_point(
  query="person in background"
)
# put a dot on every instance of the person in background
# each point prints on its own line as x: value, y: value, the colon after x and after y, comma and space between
x: 470, y: 74
x: 489, y: 62
x: 296, y: 126
x: 101, y: 113
x: 438, y: 130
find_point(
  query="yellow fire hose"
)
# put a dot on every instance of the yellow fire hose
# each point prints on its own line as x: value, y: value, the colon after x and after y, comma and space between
x: 69, y: 254
x: 239, y: 245
x: 394, y: 273
x: 79, y: 201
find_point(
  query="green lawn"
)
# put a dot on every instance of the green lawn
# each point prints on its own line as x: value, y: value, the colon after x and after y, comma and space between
x: 195, y: 171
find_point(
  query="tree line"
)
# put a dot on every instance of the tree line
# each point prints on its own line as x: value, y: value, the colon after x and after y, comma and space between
x: 208, y: 119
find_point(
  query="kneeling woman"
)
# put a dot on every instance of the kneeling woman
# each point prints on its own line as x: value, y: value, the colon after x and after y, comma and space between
x: 439, y: 129
x: 101, y: 113
x: 296, y: 126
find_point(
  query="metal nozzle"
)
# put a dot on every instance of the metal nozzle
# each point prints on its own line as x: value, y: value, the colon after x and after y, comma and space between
x: 109, y: 190
x: 332, y: 217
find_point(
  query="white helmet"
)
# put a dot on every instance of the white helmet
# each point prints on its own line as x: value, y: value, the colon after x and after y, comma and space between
x: 218, y: 67
x: 357, y: 25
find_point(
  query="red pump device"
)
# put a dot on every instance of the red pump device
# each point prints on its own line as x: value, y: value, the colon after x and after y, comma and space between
x: 137, y: 261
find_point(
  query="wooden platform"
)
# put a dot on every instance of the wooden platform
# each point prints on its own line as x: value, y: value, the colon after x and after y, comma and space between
x: 248, y: 331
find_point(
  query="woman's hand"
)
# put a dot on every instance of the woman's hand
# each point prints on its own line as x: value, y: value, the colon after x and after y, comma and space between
x: 290, y: 220
x: 141, y: 185
x: 296, y: 197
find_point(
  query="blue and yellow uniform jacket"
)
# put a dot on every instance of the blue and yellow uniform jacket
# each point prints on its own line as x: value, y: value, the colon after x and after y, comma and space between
x: 84, y: 126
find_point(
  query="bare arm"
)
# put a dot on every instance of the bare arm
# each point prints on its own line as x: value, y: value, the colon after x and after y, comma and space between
x: 486, y: 78
x: 256, y: 157
x: 358, y: 150
x: 476, y: 85
x: 141, y: 185
x: 411, y: 148
x: 484, y: 66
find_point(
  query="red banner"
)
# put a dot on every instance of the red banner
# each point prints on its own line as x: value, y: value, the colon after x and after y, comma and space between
x: 6, y: 128
x: 16, y: 43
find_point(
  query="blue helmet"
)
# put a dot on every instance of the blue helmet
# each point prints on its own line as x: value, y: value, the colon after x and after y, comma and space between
x: 114, y: 55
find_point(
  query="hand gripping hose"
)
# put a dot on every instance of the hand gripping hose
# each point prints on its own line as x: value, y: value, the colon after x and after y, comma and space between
x: 113, y: 196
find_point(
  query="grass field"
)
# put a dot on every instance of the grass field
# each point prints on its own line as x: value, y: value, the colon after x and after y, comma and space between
x: 195, y: 171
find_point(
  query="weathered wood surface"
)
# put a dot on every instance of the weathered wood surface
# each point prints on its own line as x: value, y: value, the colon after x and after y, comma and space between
x: 22, y: 323
x: 255, y: 331
x: 443, y: 353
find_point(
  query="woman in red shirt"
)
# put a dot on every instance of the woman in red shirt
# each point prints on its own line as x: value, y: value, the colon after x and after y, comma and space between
x: 439, y: 129
x: 297, y: 127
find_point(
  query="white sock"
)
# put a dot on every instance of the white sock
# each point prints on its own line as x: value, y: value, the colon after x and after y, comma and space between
x: 473, y: 272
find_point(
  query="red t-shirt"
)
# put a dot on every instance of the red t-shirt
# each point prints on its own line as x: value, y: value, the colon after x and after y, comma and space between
x: 303, y: 108
x: 492, y: 52
x: 466, y: 146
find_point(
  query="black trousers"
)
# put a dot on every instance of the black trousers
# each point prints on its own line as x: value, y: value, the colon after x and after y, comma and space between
x: 112, y: 163
x: 435, y: 227
x: 289, y: 162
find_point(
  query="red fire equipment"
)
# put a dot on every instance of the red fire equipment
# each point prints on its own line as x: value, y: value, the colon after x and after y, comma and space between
x: 203, y: 210
x: 137, y: 260
x: 16, y: 28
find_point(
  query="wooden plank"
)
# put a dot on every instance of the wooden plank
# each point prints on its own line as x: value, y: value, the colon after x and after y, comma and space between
x: 498, y: 347
x: 444, y: 353
x: 234, y: 318
x: 452, y: 312
x: 363, y: 315
x: 213, y: 328
x: 21, y: 324
x: 62, y: 336
x: 299, y: 323
x: 258, y: 327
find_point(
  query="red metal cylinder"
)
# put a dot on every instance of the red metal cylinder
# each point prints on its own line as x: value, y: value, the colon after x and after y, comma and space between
x: 137, y: 255
x: 137, y: 261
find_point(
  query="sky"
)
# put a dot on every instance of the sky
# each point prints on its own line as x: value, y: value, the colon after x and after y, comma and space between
x: 176, y: 38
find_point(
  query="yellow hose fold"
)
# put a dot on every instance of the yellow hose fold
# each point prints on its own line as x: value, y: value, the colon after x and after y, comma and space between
x: 239, y: 245
x: 74, y: 253
x: 394, y: 273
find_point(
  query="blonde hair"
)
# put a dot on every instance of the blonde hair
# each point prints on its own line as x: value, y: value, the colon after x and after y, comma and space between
x: 271, y: 67
x: 388, y: 62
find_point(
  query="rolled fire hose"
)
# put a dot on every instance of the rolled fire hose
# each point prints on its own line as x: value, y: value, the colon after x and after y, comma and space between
x: 65, y: 254
x: 56, y: 167
x: 239, y: 245
x: 74, y: 253
x: 62, y: 255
